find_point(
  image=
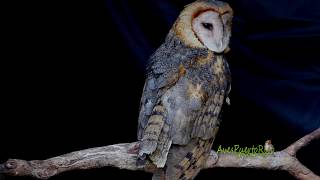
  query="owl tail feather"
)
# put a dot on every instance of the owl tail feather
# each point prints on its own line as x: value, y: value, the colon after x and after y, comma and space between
x: 194, y: 161
x: 155, y: 143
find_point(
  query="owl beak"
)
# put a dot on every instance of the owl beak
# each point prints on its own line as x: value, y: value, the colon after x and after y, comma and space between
x: 220, y: 44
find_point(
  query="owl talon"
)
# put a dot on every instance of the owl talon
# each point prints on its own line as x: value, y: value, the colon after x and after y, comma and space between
x: 141, y: 161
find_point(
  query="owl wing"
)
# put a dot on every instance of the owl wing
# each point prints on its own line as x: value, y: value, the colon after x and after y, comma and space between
x: 207, y: 121
x: 162, y: 73
x: 153, y: 90
x: 153, y: 129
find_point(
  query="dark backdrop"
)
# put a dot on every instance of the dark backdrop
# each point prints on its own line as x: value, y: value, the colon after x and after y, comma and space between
x: 73, y: 72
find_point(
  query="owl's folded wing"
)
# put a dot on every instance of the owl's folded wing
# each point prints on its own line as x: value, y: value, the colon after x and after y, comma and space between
x: 207, y: 121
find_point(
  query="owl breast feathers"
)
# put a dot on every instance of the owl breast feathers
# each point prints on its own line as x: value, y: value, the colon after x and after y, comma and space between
x: 187, y: 82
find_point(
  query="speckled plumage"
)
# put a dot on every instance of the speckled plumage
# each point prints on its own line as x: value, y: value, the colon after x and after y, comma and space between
x: 185, y: 89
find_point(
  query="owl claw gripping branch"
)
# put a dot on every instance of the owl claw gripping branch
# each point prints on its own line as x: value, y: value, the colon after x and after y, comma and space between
x: 187, y: 84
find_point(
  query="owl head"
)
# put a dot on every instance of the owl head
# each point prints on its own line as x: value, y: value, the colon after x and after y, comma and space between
x: 205, y: 24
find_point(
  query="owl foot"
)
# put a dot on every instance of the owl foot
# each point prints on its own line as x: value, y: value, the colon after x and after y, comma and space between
x: 141, y: 161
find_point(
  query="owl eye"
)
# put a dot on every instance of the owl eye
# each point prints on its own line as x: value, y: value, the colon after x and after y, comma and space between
x: 207, y: 26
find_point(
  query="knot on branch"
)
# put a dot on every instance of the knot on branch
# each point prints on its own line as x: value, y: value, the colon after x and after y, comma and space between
x: 15, y: 167
x: 11, y: 164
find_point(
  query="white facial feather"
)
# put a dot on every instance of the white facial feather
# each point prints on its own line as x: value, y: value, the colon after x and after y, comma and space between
x: 209, y: 28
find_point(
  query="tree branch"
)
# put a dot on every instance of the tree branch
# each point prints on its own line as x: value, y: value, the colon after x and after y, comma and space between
x: 293, y: 148
x: 119, y: 156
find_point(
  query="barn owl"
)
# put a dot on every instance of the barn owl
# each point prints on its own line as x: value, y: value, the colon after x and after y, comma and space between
x: 187, y: 83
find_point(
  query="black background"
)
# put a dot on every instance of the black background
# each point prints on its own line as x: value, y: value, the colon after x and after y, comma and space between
x: 73, y: 73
